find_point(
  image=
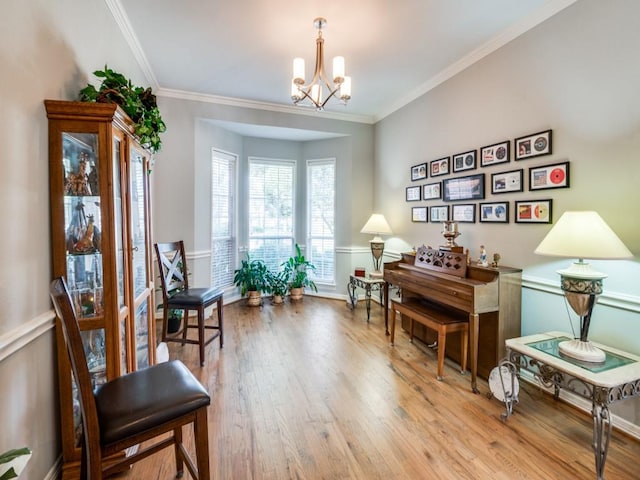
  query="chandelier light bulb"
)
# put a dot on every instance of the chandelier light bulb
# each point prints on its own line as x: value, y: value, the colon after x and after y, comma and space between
x: 338, y: 70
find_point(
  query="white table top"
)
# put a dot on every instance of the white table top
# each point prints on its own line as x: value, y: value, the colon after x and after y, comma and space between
x: 608, y: 378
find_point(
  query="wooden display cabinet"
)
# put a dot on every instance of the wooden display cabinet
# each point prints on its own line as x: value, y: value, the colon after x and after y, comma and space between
x: 101, y: 237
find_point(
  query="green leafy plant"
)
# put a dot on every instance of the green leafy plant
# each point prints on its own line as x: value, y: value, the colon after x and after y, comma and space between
x: 251, y: 276
x: 13, y: 462
x: 278, y: 282
x: 137, y: 102
x: 297, y: 269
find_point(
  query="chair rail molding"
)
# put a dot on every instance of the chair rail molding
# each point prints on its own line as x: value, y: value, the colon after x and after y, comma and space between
x: 14, y: 340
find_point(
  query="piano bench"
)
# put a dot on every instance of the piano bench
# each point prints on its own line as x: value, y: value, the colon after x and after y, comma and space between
x: 441, y: 320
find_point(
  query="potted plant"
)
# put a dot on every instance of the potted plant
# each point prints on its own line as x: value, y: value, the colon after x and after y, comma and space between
x: 278, y: 285
x: 297, y: 269
x: 137, y: 102
x: 251, y: 277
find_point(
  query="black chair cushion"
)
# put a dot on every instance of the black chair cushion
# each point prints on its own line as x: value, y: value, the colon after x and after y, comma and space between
x: 195, y: 296
x: 147, y: 398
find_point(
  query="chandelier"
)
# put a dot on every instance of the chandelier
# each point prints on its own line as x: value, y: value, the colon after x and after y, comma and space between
x: 340, y: 87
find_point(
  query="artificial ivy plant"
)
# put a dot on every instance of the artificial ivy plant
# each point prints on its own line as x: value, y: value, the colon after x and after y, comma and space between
x: 137, y: 102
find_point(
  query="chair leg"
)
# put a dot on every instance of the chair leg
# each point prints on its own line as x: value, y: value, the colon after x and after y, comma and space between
x: 165, y: 323
x: 392, y: 327
x: 177, y: 438
x: 201, y: 334
x: 201, y: 436
x: 220, y: 321
x: 185, y: 325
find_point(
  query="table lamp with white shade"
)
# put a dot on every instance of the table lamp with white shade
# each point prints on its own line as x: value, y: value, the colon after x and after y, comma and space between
x: 376, y: 225
x: 582, y: 235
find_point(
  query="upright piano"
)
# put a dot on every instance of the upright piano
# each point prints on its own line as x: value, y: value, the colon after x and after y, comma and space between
x: 491, y: 297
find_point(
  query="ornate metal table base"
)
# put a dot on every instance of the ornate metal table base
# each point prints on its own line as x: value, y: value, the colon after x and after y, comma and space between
x: 598, y: 385
x: 368, y: 285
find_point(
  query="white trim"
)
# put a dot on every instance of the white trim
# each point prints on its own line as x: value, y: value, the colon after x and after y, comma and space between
x: 121, y: 18
x: 256, y: 105
x: 14, y: 340
x: 620, y: 301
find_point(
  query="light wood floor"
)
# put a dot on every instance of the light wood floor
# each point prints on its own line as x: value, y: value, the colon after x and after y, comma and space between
x: 311, y: 391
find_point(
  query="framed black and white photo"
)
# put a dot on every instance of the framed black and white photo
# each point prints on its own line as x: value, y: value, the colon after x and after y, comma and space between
x: 463, y: 188
x: 534, y: 145
x: 439, y: 167
x: 419, y: 172
x: 419, y: 214
x: 549, y: 176
x: 495, y: 154
x: 494, y: 212
x: 439, y: 213
x: 413, y: 194
x: 534, y: 211
x: 432, y: 191
x: 464, y: 213
x: 506, y: 182
x: 464, y: 161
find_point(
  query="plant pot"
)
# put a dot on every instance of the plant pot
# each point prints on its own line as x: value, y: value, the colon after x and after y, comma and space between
x: 254, y: 299
x: 296, y: 293
x: 173, y: 324
x: 277, y: 300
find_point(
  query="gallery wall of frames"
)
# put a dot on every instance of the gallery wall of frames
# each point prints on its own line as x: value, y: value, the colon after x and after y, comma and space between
x: 455, y: 187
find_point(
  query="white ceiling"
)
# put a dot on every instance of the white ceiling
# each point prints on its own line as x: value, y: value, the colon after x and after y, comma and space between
x: 241, y: 51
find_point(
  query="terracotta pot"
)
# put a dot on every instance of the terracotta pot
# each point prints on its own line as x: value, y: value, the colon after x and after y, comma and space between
x: 296, y: 293
x: 254, y: 299
x: 277, y: 300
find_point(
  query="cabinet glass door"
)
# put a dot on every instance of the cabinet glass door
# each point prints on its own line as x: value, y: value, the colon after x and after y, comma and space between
x: 140, y: 274
x: 83, y: 223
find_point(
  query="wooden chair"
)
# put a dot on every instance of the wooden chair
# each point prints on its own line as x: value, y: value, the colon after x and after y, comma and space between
x: 133, y: 408
x: 177, y: 295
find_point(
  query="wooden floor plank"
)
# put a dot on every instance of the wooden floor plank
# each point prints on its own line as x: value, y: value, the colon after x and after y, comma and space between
x: 312, y: 391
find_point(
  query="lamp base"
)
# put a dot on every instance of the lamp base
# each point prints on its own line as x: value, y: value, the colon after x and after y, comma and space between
x: 584, y: 351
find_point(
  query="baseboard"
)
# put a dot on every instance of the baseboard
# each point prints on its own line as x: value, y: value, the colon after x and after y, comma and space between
x: 619, y: 423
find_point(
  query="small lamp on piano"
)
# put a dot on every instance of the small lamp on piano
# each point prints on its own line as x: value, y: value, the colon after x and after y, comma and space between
x: 377, y: 225
x: 582, y: 235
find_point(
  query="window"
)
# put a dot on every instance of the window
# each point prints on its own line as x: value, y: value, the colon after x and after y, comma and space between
x: 223, y: 242
x: 321, y: 214
x: 271, y: 213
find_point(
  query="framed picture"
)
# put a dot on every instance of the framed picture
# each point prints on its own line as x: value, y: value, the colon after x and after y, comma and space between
x: 419, y: 214
x: 419, y: 172
x: 464, y: 188
x: 549, y: 176
x: 534, y: 145
x: 506, y: 182
x: 534, y: 211
x: 413, y: 194
x: 495, y: 212
x: 494, y: 154
x: 464, y: 213
x: 439, y: 167
x: 439, y: 213
x: 464, y: 161
x: 431, y: 191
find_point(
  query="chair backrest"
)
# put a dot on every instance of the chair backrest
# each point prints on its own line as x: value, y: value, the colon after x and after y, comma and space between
x: 172, y: 265
x: 75, y: 348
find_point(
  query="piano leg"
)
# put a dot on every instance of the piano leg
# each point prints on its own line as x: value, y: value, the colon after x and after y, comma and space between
x: 386, y: 309
x: 474, y: 323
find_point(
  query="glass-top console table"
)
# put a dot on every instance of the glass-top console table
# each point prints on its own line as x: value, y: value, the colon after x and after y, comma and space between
x: 617, y: 378
x: 369, y: 285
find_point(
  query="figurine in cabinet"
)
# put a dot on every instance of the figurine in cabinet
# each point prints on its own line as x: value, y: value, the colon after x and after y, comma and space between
x: 78, y: 182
